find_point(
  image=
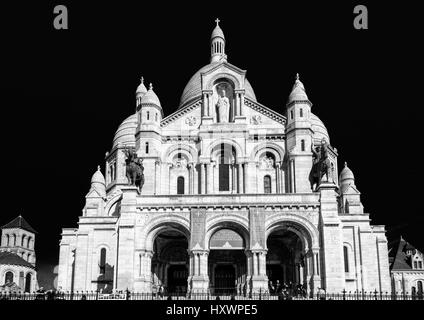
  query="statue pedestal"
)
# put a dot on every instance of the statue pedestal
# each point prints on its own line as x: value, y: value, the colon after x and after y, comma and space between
x: 240, y: 119
x: 207, y: 120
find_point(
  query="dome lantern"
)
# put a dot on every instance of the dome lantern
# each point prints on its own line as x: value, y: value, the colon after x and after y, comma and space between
x: 217, y: 44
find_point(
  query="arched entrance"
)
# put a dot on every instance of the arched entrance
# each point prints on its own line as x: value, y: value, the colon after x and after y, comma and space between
x: 227, y: 262
x: 285, y: 261
x: 170, y: 262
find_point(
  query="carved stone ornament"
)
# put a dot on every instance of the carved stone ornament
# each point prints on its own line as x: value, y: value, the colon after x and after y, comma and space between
x: 180, y: 163
x: 267, y: 163
x: 256, y: 119
x: 191, y: 120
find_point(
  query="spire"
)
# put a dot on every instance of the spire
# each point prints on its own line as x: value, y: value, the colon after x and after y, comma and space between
x: 218, y: 44
x: 298, y: 92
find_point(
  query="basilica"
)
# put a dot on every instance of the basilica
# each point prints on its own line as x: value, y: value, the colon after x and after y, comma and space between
x: 223, y: 195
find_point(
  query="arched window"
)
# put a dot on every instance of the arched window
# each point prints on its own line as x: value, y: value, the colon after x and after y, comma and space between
x: 156, y: 116
x: 180, y: 185
x: 102, y: 263
x: 23, y: 240
x: 28, y: 242
x: 147, y: 147
x: 8, y: 278
x: 301, y: 112
x: 291, y: 114
x: 267, y: 184
x: 415, y: 264
x: 7, y: 240
x: 346, y: 258
x: 302, y: 145
x: 148, y: 115
x: 28, y: 282
x: 420, y: 287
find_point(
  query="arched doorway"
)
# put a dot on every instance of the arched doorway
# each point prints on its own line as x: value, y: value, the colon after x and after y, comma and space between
x: 28, y: 282
x: 170, y: 261
x: 285, y: 260
x: 227, y: 262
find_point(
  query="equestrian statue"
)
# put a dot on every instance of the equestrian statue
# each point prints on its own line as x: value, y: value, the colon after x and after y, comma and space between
x: 134, y: 168
x: 321, y: 168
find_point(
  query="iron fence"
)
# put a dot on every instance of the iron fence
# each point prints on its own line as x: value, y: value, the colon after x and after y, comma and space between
x: 209, y: 295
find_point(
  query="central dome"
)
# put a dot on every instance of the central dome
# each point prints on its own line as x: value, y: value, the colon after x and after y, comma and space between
x: 193, y: 89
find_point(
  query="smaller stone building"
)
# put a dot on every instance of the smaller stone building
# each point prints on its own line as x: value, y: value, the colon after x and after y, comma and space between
x: 17, y: 257
x: 406, y: 268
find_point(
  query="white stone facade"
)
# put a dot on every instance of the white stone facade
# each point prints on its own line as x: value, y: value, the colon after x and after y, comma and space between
x: 248, y: 176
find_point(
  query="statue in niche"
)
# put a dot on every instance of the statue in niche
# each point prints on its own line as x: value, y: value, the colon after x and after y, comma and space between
x: 223, y: 106
x: 267, y: 162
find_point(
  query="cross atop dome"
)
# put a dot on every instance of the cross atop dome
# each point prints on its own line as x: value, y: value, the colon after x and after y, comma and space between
x: 217, y: 22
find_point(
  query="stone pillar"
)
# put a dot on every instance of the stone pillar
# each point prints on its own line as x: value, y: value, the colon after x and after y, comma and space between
x: 203, y: 178
x: 277, y: 176
x: 240, y: 178
x: 157, y: 177
x: 331, y: 246
x: 209, y: 182
x: 241, y: 104
x: 126, y: 242
x: 205, y: 105
x: 282, y: 179
x: 199, y: 278
x: 259, y: 278
x: 292, y: 177
x: 191, y: 178
x: 233, y: 178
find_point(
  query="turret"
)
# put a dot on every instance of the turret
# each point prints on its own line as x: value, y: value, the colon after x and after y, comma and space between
x: 299, y: 138
x: 140, y: 92
x: 95, y: 198
x: 350, y: 197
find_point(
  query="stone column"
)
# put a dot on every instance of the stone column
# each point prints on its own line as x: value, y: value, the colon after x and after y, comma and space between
x: 205, y: 105
x: 282, y: 179
x: 240, y: 178
x: 277, y: 176
x: 210, y: 107
x: 233, y: 178
x: 202, y: 178
x: 247, y: 178
x: 292, y: 177
x: 237, y: 106
x: 241, y: 104
x: 209, y: 178
x: 157, y: 177
x: 259, y: 277
x: 199, y: 278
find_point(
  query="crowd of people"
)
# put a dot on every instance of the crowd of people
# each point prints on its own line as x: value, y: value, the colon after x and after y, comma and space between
x: 287, y: 291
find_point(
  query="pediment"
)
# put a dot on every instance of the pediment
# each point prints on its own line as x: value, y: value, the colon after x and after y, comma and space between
x: 266, y: 115
x: 182, y: 117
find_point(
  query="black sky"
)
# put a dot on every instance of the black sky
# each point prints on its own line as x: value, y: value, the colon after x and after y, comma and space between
x: 66, y: 92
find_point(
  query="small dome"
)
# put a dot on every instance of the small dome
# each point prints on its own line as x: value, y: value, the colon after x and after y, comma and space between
x: 125, y: 135
x: 320, y: 131
x: 298, y: 92
x: 98, y: 177
x: 98, y: 182
x: 150, y: 97
x: 346, y: 175
x: 217, y: 32
x: 193, y: 89
x: 141, y: 89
